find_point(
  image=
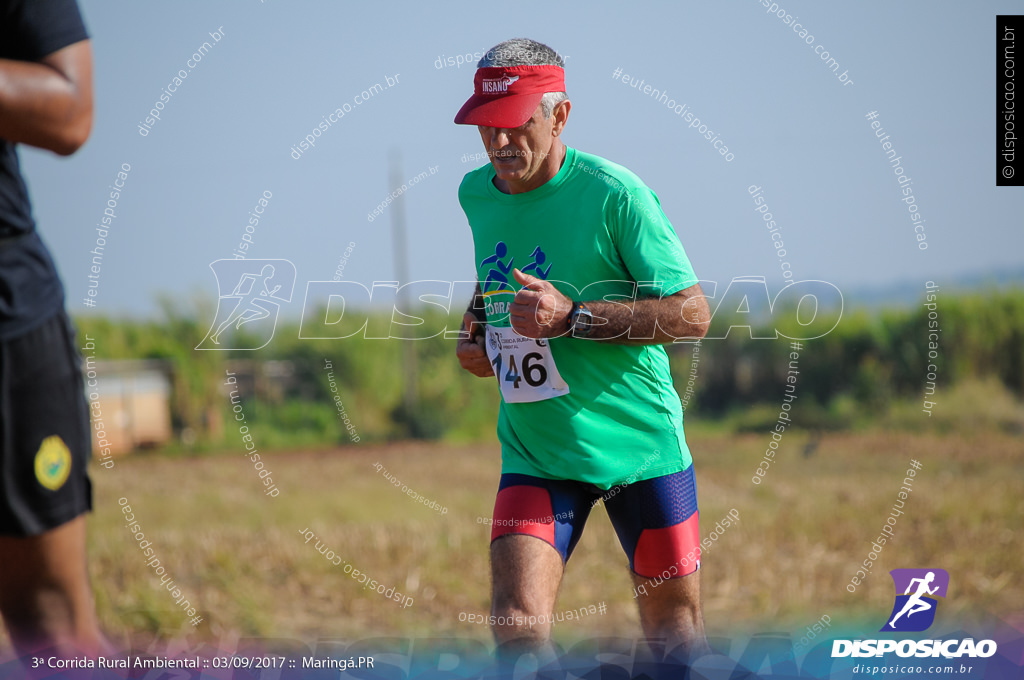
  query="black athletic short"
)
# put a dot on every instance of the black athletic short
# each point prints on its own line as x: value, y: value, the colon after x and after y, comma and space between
x: 45, y: 441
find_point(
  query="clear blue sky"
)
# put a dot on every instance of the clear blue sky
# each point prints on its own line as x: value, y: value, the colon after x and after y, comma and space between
x: 225, y: 135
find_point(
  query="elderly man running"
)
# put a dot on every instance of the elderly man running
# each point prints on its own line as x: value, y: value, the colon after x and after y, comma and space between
x: 574, y: 338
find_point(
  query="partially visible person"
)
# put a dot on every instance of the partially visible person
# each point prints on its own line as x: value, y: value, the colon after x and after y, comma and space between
x: 45, y: 440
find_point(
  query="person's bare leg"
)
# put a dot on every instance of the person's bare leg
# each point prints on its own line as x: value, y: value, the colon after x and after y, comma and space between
x: 45, y: 597
x: 672, y: 612
x: 525, y: 575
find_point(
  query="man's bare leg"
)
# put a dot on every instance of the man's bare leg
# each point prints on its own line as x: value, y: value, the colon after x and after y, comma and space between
x: 525, y: 575
x: 672, y: 612
x: 45, y: 597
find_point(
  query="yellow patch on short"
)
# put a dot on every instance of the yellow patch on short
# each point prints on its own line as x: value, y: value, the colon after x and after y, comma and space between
x: 53, y: 463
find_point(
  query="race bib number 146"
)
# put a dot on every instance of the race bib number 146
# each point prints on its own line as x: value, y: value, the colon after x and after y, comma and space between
x: 524, y: 367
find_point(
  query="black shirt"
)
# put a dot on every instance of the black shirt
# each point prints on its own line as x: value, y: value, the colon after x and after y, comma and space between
x: 30, y: 290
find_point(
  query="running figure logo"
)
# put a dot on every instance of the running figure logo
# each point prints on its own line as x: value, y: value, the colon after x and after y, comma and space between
x: 500, y: 271
x: 499, y: 275
x: 538, y: 260
x: 914, y: 610
x: 257, y: 289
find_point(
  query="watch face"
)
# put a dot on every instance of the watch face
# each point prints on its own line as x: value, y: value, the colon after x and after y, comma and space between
x: 582, y: 322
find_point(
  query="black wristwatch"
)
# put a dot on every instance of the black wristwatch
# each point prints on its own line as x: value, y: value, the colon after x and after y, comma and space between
x: 581, y: 321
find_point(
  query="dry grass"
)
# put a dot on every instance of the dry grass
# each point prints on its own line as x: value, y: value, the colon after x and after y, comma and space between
x: 240, y: 559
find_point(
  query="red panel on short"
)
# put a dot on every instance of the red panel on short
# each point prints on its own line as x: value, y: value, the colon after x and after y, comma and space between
x: 659, y: 549
x: 526, y: 510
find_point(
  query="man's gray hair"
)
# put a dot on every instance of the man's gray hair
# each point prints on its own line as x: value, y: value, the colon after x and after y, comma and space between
x: 526, y: 52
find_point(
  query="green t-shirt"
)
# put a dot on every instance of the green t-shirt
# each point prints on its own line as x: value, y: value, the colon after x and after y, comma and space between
x: 595, y: 231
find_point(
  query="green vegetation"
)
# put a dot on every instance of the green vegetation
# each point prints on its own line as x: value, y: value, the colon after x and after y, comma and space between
x: 870, y: 371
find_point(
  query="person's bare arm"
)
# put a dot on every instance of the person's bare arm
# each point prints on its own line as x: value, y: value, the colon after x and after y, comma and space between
x: 541, y: 311
x: 48, y: 104
x: 652, y: 321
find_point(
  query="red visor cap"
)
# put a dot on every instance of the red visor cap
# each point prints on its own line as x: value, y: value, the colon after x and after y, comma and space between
x: 506, y: 97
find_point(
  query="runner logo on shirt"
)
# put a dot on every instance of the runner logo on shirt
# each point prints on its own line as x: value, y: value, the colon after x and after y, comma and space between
x: 535, y: 267
x: 500, y: 272
x: 497, y: 281
x: 500, y: 275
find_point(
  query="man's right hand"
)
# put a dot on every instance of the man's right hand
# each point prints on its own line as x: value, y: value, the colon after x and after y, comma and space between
x: 470, y: 351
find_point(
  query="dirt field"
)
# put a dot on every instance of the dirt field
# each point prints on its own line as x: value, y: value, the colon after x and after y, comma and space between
x: 240, y: 558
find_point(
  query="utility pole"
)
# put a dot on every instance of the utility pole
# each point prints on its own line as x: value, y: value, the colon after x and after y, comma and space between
x: 401, y: 261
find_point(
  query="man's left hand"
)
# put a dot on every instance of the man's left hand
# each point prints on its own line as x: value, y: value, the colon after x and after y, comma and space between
x: 539, y: 310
